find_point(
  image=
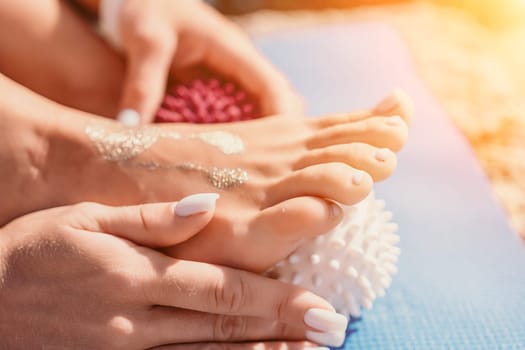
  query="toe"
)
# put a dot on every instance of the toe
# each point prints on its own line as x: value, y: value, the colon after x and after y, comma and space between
x: 378, y: 162
x: 383, y: 132
x: 278, y: 230
x: 334, y: 181
x: 397, y: 103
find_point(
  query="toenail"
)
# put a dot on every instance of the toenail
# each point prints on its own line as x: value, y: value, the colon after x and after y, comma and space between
x: 383, y: 154
x: 394, y: 120
x: 335, y: 210
x: 388, y: 103
x: 357, y: 177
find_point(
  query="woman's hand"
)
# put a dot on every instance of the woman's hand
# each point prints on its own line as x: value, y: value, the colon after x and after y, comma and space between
x: 67, y: 281
x: 162, y: 37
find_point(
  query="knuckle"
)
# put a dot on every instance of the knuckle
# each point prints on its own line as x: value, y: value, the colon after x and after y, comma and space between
x: 87, y: 214
x: 150, y: 37
x: 281, y: 308
x: 147, y: 37
x: 144, y: 219
x: 230, y: 296
x: 229, y: 327
x: 139, y: 90
x: 284, y: 330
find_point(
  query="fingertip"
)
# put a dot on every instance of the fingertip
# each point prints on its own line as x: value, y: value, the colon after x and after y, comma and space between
x: 145, y: 83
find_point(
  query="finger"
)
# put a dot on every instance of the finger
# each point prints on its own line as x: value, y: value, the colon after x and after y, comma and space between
x: 240, y: 60
x: 231, y: 53
x: 221, y: 290
x: 276, y: 231
x: 155, y: 224
x: 168, y: 325
x: 274, y: 345
x: 149, y: 60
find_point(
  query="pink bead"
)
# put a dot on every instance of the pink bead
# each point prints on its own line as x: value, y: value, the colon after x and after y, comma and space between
x: 181, y: 90
x: 240, y: 96
x: 213, y: 83
x: 229, y: 88
x: 165, y: 116
x: 207, y: 101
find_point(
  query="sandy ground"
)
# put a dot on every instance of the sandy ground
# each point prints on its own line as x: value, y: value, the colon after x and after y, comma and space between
x: 484, y: 92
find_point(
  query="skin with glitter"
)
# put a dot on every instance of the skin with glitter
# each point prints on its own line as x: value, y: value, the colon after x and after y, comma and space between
x: 122, y: 145
x: 221, y: 178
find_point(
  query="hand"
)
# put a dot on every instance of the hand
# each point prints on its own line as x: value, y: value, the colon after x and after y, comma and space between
x: 161, y: 38
x: 67, y: 281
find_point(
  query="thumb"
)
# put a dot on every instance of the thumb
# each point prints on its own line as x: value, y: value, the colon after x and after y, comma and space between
x: 145, y: 83
x: 157, y: 224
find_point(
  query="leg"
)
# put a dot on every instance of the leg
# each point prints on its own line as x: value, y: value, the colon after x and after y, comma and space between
x: 55, y: 53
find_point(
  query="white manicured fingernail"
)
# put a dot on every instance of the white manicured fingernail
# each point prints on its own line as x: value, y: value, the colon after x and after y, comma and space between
x: 383, y: 154
x: 319, y: 348
x: 325, y: 320
x: 394, y: 120
x: 196, y: 203
x: 326, y: 338
x: 357, y: 177
x: 129, y: 117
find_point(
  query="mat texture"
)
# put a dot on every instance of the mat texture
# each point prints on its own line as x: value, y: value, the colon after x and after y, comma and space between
x: 461, y: 283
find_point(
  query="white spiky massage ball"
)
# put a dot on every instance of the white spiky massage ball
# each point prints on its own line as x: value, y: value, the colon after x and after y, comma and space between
x: 351, y: 265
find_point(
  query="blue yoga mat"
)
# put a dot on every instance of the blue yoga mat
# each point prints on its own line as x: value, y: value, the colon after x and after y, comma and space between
x: 461, y: 281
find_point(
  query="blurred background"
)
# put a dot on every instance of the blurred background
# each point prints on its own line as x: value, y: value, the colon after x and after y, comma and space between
x: 469, y: 53
x: 490, y: 12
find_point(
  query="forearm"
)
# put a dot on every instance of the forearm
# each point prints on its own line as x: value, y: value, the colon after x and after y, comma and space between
x: 71, y: 57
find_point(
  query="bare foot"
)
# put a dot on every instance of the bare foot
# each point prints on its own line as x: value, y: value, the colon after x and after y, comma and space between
x: 277, y: 177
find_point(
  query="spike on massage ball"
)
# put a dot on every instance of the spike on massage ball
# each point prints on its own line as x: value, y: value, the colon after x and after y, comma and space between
x: 207, y: 101
x: 351, y: 265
